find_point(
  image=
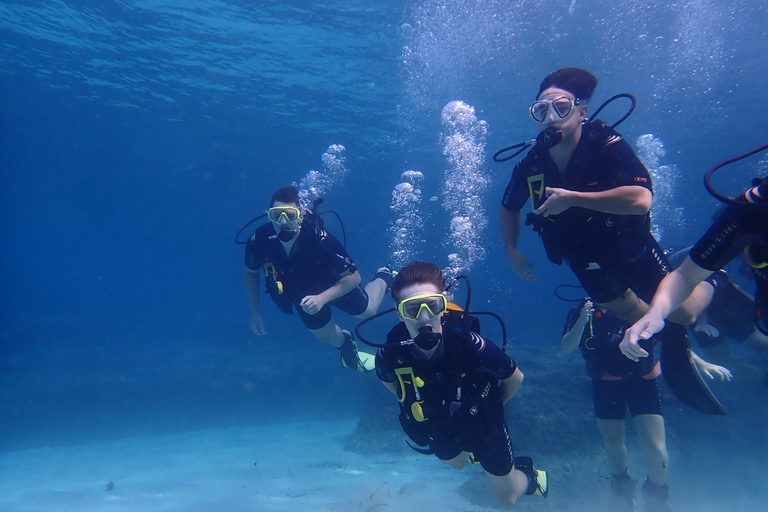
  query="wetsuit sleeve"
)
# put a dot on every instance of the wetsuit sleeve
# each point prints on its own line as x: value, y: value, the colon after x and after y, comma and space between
x: 253, y: 256
x: 336, y: 254
x: 516, y: 194
x: 572, y: 318
x: 726, y: 238
x: 386, y: 355
x: 384, y: 370
x: 492, y: 357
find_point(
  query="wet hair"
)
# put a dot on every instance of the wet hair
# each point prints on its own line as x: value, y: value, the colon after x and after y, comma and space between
x: 418, y: 272
x: 285, y: 195
x: 579, y: 82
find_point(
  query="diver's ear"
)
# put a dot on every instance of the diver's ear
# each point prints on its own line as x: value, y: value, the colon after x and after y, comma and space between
x: 583, y: 111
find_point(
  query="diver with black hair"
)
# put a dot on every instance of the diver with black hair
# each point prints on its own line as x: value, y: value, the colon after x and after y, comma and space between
x: 619, y: 384
x: 307, y: 269
x: 742, y: 228
x: 452, y: 385
x: 591, y: 197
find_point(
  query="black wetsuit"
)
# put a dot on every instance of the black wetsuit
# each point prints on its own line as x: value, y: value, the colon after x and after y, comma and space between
x: 317, y: 261
x: 738, y: 227
x: 609, y: 253
x: 459, y: 402
x: 731, y: 310
x: 617, y: 382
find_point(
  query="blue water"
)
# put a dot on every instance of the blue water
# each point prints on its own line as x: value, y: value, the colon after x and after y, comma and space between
x: 136, y: 137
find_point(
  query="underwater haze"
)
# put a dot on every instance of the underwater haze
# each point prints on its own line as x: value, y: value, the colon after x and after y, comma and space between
x: 138, y: 136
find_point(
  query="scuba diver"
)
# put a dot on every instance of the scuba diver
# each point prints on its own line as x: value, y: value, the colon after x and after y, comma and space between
x: 617, y: 384
x: 741, y: 228
x: 591, y: 198
x: 307, y: 269
x: 452, y: 385
x: 729, y: 315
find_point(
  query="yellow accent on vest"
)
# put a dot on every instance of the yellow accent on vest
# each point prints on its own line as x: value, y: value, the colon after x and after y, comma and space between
x: 533, y: 180
x: 752, y: 263
x: 406, y: 376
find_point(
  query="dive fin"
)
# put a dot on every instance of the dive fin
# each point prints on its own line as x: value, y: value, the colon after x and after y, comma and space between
x: 354, y: 359
x: 682, y: 375
x: 423, y: 451
x: 367, y: 361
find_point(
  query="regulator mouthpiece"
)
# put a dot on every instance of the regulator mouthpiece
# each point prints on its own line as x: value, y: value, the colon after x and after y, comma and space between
x: 427, y: 340
x: 549, y: 137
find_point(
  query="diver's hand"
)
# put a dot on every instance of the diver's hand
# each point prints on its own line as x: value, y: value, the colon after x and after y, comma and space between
x: 707, y: 328
x: 588, y: 310
x: 712, y: 370
x: 312, y: 304
x: 257, y: 325
x: 521, y: 265
x: 558, y: 200
x: 644, y: 329
x: 631, y: 348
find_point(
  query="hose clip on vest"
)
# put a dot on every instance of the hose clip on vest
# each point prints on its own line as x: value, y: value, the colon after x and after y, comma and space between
x: 274, y: 286
x: 456, y: 404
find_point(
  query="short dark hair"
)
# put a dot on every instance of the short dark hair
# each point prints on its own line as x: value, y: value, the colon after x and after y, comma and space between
x: 285, y: 195
x: 579, y: 82
x: 418, y: 272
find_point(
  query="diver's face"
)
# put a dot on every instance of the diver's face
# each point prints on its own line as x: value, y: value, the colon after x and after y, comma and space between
x: 570, y: 125
x: 283, y: 221
x: 424, y: 317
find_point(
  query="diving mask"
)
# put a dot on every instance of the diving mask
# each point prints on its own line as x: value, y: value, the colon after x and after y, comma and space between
x: 435, y: 304
x: 291, y: 213
x: 562, y: 107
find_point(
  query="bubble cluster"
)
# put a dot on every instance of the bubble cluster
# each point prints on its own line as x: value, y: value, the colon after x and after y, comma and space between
x: 664, y: 212
x: 464, y: 183
x: 761, y: 167
x: 405, y: 231
x: 317, y: 183
x: 445, y: 44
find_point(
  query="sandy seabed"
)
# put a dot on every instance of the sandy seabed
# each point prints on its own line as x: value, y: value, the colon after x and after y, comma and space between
x: 285, y: 467
x: 304, y: 466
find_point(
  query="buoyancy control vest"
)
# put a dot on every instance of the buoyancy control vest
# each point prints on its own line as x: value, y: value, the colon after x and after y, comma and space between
x: 278, y: 270
x: 450, y: 395
x: 580, y: 233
